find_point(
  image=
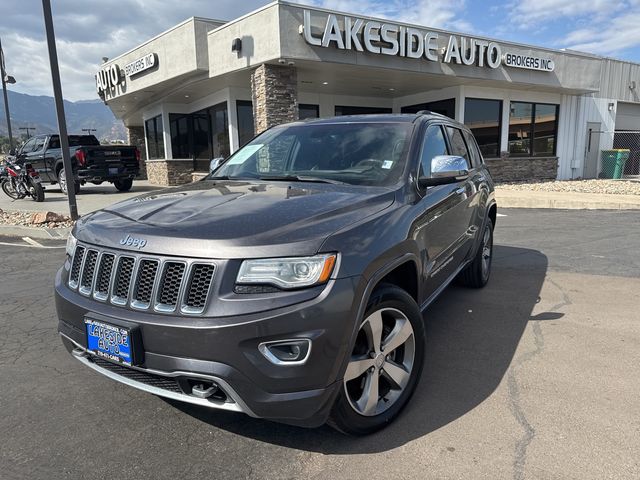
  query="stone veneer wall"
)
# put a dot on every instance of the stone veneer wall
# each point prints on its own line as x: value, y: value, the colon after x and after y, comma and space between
x: 517, y: 169
x: 135, y: 137
x: 169, y: 172
x: 274, y: 91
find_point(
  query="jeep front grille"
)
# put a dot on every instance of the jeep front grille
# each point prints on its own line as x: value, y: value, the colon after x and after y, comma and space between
x: 142, y: 283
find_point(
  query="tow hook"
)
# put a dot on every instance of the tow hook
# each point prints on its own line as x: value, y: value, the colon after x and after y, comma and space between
x: 203, y: 390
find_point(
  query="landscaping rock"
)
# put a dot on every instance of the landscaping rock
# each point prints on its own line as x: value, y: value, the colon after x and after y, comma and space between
x: 47, y: 217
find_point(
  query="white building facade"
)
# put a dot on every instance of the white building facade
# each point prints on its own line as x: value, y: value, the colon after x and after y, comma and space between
x: 205, y: 87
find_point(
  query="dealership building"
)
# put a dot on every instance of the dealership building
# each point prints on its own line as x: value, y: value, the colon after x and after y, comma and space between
x: 205, y: 87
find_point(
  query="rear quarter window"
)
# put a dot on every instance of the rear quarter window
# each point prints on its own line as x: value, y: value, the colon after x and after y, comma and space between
x: 458, y: 145
x: 474, y: 150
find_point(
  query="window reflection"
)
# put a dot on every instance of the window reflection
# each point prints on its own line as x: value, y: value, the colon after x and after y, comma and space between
x: 533, y: 129
x: 483, y: 117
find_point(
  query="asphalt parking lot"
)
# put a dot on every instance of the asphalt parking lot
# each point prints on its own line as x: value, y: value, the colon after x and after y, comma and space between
x: 536, y: 376
x: 91, y: 197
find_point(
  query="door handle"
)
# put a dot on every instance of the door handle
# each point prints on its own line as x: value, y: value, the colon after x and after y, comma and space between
x: 461, y: 190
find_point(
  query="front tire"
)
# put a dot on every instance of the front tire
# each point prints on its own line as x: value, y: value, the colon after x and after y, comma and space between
x: 385, y: 364
x: 123, y: 185
x: 8, y: 189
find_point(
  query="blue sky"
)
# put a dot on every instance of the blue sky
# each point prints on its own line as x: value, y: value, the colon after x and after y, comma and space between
x: 88, y: 30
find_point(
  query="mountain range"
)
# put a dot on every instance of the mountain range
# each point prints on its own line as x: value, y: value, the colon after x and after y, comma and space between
x: 39, y: 112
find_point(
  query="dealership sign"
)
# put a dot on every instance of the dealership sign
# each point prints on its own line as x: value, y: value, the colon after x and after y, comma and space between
x: 403, y: 41
x: 108, y: 78
x: 140, y: 65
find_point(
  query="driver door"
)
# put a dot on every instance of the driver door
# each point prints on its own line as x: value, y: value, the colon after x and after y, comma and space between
x: 440, y: 228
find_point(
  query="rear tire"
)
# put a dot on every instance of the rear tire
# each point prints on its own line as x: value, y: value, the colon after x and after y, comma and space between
x: 123, y: 185
x: 477, y: 273
x: 37, y: 192
x: 62, y: 181
x: 384, y: 367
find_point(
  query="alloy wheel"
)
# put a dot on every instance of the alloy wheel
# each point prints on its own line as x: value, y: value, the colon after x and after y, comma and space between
x: 381, y: 363
x: 487, y: 246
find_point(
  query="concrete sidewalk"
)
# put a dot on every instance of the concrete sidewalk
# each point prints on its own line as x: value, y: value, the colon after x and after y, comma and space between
x: 565, y: 200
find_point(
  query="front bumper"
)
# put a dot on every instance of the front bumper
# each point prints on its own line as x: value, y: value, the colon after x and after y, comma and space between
x: 224, y: 352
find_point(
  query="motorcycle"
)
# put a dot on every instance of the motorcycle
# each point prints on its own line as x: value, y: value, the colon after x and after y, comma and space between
x: 19, y: 182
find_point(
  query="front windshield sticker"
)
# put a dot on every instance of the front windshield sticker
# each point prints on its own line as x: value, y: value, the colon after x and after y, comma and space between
x: 243, y: 154
x: 387, y: 164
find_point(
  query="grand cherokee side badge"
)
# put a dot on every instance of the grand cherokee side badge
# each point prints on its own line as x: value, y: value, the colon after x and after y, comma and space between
x: 130, y: 241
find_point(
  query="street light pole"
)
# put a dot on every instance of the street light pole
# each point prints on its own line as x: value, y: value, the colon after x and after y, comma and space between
x: 6, y: 97
x: 57, y: 95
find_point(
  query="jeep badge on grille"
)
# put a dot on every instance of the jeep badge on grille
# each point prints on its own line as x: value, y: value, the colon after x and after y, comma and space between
x: 130, y: 241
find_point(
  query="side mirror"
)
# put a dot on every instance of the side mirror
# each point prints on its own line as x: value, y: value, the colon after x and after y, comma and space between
x: 215, y: 163
x: 445, y: 169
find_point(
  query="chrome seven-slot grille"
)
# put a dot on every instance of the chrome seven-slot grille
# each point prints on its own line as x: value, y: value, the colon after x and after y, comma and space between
x: 142, y: 283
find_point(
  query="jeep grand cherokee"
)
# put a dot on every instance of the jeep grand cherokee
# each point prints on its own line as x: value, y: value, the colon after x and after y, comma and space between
x: 290, y: 283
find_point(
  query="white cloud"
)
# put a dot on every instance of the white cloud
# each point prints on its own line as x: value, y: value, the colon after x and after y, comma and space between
x: 431, y: 13
x: 596, y: 39
x: 525, y: 13
x: 86, y: 32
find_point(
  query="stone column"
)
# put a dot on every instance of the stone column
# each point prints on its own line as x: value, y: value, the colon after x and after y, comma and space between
x: 274, y: 91
x: 135, y: 137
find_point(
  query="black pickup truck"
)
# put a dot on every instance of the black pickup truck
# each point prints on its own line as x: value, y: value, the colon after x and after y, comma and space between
x: 92, y: 162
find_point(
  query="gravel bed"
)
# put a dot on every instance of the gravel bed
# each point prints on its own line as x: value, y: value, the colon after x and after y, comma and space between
x: 24, y: 219
x: 620, y: 187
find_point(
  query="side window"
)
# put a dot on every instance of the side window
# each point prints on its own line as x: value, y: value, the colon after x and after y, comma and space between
x: 28, y: 147
x: 458, y: 147
x: 476, y: 156
x: 434, y: 145
x: 39, y: 145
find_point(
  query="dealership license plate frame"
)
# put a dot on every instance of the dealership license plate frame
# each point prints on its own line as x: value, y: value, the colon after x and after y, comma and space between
x: 128, y: 356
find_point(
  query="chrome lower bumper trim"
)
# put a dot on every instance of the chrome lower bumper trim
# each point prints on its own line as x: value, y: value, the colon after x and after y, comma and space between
x: 237, y: 405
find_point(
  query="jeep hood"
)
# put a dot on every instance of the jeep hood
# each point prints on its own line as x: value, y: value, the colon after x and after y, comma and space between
x: 234, y: 219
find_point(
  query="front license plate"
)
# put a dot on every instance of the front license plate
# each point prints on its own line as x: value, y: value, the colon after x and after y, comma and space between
x: 109, y: 341
x: 113, y: 171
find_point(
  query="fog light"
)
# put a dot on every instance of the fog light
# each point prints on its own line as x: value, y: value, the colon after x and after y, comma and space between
x: 286, y: 352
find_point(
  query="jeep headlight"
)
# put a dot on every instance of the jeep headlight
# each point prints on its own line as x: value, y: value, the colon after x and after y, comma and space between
x: 288, y: 273
x: 71, y: 245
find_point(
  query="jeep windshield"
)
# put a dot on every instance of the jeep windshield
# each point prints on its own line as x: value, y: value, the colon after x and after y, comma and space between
x: 371, y: 154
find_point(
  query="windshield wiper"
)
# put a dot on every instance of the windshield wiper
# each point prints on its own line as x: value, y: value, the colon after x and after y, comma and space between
x: 301, y: 178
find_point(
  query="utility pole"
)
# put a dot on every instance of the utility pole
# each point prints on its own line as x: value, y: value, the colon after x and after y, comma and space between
x: 28, y: 129
x: 57, y: 95
x: 89, y: 130
x: 6, y: 79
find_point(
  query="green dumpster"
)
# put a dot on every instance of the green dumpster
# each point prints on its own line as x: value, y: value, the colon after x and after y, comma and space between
x: 613, y: 162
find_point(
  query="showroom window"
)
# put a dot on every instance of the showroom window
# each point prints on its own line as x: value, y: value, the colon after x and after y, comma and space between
x: 153, y: 135
x: 246, y: 130
x: 350, y: 110
x: 483, y: 117
x: 533, y: 129
x: 180, y: 128
x: 308, y: 111
x: 443, y: 107
x: 202, y: 135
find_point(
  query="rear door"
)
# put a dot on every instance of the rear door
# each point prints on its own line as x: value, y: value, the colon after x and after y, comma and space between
x: 36, y: 156
x: 467, y: 190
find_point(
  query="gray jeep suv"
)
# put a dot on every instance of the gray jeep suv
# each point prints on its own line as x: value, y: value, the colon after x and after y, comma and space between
x: 290, y: 283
